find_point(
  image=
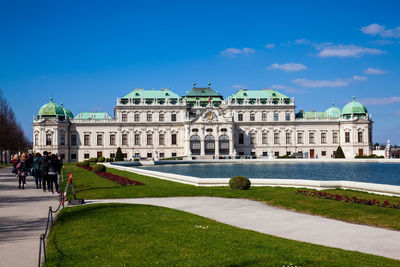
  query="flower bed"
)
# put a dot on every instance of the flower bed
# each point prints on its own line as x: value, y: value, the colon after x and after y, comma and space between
x: 112, y: 177
x: 345, y: 198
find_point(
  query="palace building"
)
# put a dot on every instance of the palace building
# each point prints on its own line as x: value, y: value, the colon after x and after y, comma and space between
x: 202, y: 124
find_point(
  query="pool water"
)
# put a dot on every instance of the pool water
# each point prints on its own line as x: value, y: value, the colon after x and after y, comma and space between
x: 381, y: 173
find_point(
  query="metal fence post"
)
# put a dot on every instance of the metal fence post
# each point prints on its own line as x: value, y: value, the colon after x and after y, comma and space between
x: 44, y: 248
x: 40, y: 250
x: 51, y: 215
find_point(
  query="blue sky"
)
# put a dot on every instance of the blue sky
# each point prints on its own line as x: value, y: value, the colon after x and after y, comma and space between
x: 87, y: 53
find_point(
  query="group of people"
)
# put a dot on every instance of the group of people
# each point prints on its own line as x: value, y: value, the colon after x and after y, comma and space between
x: 45, y: 169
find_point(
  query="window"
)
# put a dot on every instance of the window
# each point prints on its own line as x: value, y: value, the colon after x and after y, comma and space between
x: 347, y: 137
x: 264, y: 117
x: 276, y: 154
x: 335, y: 138
x: 112, y: 139
x: 49, y: 138
x: 276, y: 116
x: 252, y: 138
x: 149, y: 139
x: 137, y: 117
x: 62, y: 139
x: 124, y: 139
x: 86, y: 140
x: 161, y: 139
x: 288, y: 116
x: 312, y: 138
x: 276, y: 138
x: 149, y: 117
x: 288, y: 153
x: 125, y: 155
x: 265, y: 138
x: 300, y: 138
x: 323, y: 138
x: 323, y: 153
x: 240, y: 117
x: 36, y: 139
x: 149, y: 155
x: 173, y: 139
x: 99, y: 154
x: 252, y: 117
x: 73, y: 139
x: 99, y: 139
x: 137, y: 139
x: 124, y: 117
x: 360, y: 137
x: 86, y: 155
x: 73, y: 156
x: 173, y: 154
x: 161, y: 117
x: 241, y: 138
x: 288, y: 138
x: 265, y: 154
x: 162, y: 155
x: 173, y: 117
x: 112, y: 155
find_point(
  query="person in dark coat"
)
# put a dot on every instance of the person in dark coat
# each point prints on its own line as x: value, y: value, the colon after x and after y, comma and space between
x: 52, y: 173
x: 43, y: 164
x: 22, y: 171
x: 36, y: 172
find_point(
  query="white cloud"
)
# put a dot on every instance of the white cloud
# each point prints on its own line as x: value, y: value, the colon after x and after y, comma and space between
x: 375, y: 71
x: 380, y: 101
x: 270, y: 46
x: 376, y: 29
x: 359, y: 78
x: 329, y: 50
x: 302, y: 41
x: 288, y: 67
x: 239, y: 86
x: 322, y: 83
x: 232, y: 52
x: 287, y: 89
x: 381, y: 42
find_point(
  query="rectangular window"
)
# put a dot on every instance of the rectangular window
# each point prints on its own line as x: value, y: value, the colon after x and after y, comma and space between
x: 288, y: 116
x: 161, y: 139
x: 73, y: 139
x: 149, y: 155
x: 162, y: 155
x: 173, y: 154
x: 265, y: 154
x: 265, y: 138
x: 149, y: 139
x: 49, y: 138
x: 252, y: 138
x: 124, y: 117
x: 73, y: 156
x: 276, y: 153
x: 252, y: 117
x: 112, y: 155
x: 125, y: 155
x: 173, y: 117
x: 323, y: 138
x: 36, y: 139
x: 347, y: 137
x: 112, y: 140
x: 276, y: 138
x: 149, y: 117
x: 323, y: 153
x: 264, y: 117
x: 137, y: 139
x: 62, y: 139
x: 161, y: 117
x: 86, y: 140
x: 99, y: 139
x: 276, y: 116
x: 86, y: 155
x: 241, y: 138
x: 312, y: 138
x: 136, y: 117
x: 300, y: 138
x: 173, y: 139
x: 288, y: 138
x: 125, y: 139
x: 240, y: 117
x: 360, y: 137
x: 335, y: 138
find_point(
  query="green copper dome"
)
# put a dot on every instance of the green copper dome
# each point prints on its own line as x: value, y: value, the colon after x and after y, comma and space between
x: 333, y: 111
x: 354, y: 108
x: 67, y: 112
x: 51, y: 110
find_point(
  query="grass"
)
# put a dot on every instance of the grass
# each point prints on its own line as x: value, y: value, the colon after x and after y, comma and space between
x: 90, y: 186
x: 140, y: 235
x: 5, y: 165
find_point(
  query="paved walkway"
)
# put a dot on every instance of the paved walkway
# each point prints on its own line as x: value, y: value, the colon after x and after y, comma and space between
x: 262, y: 218
x: 23, y: 217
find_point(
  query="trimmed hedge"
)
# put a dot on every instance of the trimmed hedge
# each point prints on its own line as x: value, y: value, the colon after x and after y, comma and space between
x: 109, y: 160
x: 339, y: 153
x: 85, y: 163
x: 286, y: 157
x: 239, y: 183
x: 119, y: 156
x: 101, y: 159
x: 93, y: 159
x: 372, y: 156
x: 99, y: 168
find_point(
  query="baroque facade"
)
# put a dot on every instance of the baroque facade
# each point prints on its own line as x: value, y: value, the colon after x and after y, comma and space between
x: 250, y: 123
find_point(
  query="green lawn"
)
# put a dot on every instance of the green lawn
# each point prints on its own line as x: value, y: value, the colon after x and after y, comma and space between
x: 5, y: 165
x: 90, y: 186
x: 140, y: 235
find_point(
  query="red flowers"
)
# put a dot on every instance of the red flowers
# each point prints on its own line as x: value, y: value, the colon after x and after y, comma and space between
x: 345, y: 198
x: 112, y: 177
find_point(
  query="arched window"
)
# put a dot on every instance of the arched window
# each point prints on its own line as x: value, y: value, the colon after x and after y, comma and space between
x: 223, y: 145
x: 195, y: 144
x: 209, y: 145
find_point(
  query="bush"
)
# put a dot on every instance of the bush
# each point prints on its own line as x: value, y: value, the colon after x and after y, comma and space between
x: 135, y: 159
x: 93, y: 159
x: 109, y: 160
x: 286, y: 157
x: 372, y: 156
x: 101, y: 159
x: 99, y: 168
x: 118, y: 155
x: 239, y: 183
x: 85, y: 163
x: 339, y: 153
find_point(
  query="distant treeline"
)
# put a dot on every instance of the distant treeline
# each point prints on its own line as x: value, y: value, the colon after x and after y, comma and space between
x: 12, y: 137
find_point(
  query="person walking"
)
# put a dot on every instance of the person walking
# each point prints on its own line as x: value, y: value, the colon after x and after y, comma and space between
x: 43, y: 164
x: 22, y: 171
x: 14, y: 163
x: 52, y: 173
x: 36, y: 171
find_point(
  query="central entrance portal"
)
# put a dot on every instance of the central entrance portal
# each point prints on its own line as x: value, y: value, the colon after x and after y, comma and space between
x: 209, y: 145
x: 195, y: 145
x: 224, y: 145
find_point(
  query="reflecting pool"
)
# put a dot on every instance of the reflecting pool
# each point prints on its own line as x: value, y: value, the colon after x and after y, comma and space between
x: 381, y: 173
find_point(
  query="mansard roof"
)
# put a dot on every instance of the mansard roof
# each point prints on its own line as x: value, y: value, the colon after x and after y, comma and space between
x: 203, y: 92
x: 264, y: 93
x: 93, y: 116
x: 141, y: 93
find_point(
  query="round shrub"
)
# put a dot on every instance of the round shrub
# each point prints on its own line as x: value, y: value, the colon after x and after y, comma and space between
x: 99, y: 168
x: 239, y: 183
x: 101, y: 159
x: 85, y: 163
x: 109, y: 159
x: 93, y: 160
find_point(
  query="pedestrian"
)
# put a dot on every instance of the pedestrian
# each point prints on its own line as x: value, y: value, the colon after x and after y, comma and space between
x: 14, y: 163
x: 35, y: 171
x: 60, y: 164
x: 22, y: 171
x: 43, y: 164
x: 52, y: 173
